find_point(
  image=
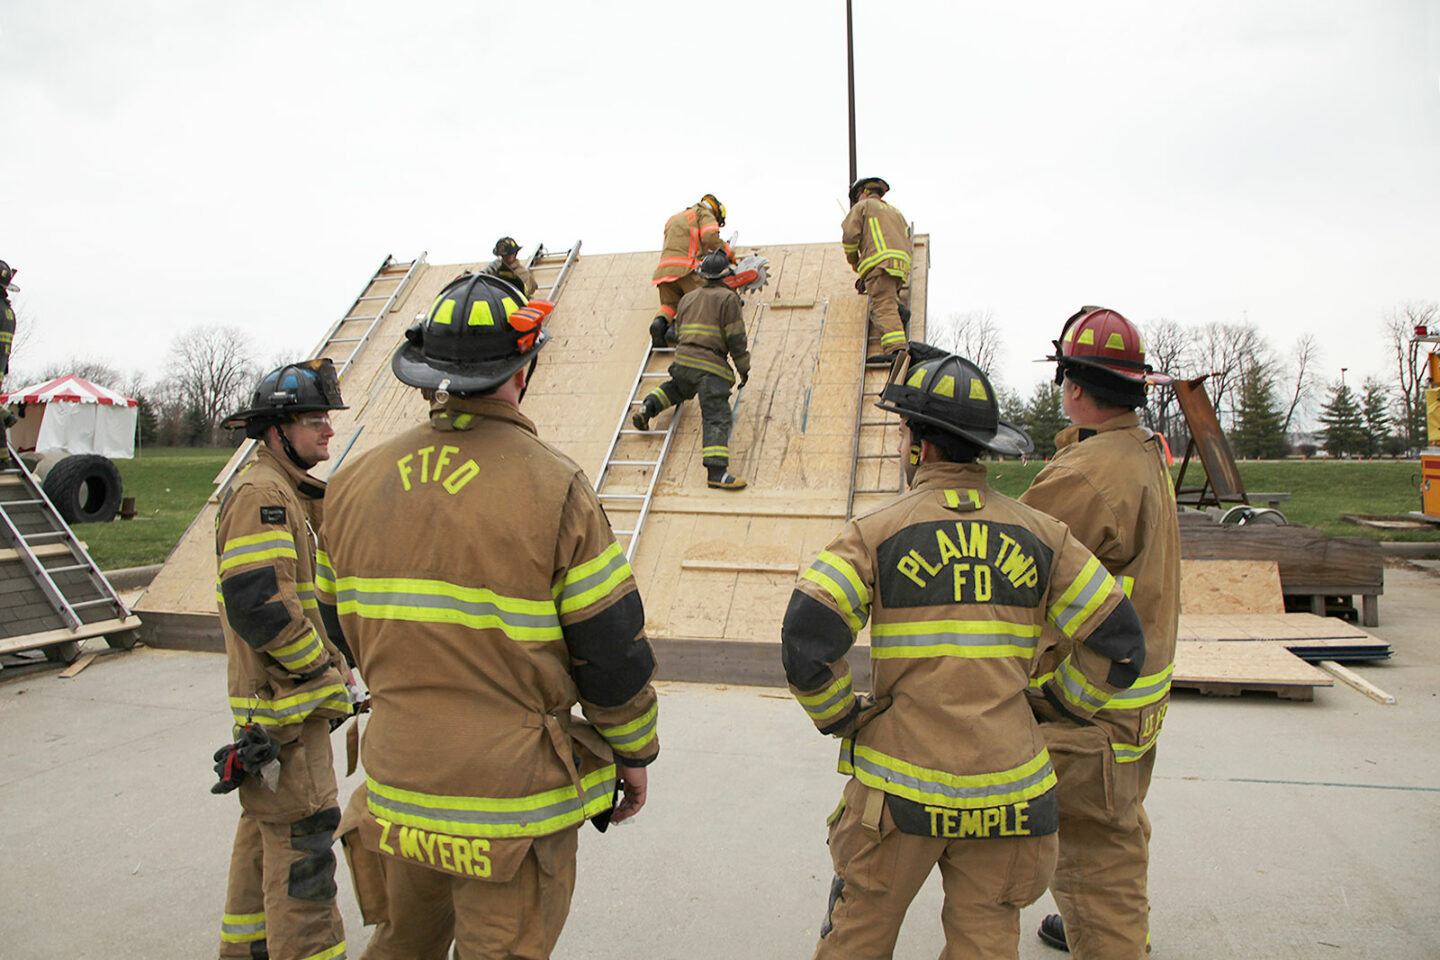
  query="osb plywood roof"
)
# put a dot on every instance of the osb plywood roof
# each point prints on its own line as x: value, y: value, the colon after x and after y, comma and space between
x: 710, y: 564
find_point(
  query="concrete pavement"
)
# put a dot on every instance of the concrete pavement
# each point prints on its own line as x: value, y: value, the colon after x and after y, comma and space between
x: 1282, y: 829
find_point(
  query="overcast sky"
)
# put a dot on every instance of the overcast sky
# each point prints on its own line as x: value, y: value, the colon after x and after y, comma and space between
x: 168, y: 163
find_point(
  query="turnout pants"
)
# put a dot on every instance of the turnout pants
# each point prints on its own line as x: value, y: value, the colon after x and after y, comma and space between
x: 1100, y: 877
x: 714, y: 392
x: 879, y: 871
x: 672, y: 291
x: 280, y: 898
x: 884, y: 292
x: 519, y: 919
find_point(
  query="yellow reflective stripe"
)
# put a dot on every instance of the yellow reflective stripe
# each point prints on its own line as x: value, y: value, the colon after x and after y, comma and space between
x: 1086, y: 592
x: 336, y: 952
x: 324, y: 573
x: 925, y: 785
x: 694, y: 363
x: 715, y: 451
x: 443, y: 315
x: 1130, y: 752
x: 828, y: 702
x: 892, y: 338
x: 838, y: 578
x: 436, y: 601
x: 1144, y: 691
x: 1127, y: 584
x: 691, y: 326
x: 242, y: 927
x: 882, y: 252
x: 255, y: 547
x: 534, y: 815
x: 849, y: 247
x: 1077, y: 690
x: 298, y: 655
x: 288, y: 710
x: 480, y: 314
x: 968, y: 639
x: 306, y: 592
x: 634, y: 735
x: 592, y: 580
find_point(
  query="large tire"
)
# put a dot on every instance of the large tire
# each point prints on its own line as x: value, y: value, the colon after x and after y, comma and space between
x: 84, y: 488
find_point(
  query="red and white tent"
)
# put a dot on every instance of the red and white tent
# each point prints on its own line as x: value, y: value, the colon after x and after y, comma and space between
x: 71, y: 415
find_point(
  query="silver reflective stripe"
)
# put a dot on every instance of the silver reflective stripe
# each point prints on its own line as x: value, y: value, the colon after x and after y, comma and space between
x: 822, y: 711
x: 1073, y: 686
x: 991, y: 793
x: 593, y: 580
x: 571, y: 805
x: 391, y: 599
x: 954, y: 638
x: 634, y: 739
x: 1082, y: 600
x: 837, y: 577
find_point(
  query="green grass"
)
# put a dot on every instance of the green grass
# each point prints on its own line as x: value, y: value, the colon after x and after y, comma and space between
x: 170, y: 485
x: 1321, y: 491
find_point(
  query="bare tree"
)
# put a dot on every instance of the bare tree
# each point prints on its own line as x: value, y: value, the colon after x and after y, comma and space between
x: 975, y: 336
x: 1410, y: 374
x: 1224, y: 350
x: 1304, y: 358
x: 1167, y: 349
x: 211, y: 367
x: 95, y: 371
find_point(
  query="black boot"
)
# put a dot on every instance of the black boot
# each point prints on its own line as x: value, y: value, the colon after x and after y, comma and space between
x: 641, y: 417
x: 658, y: 328
x: 1052, y: 931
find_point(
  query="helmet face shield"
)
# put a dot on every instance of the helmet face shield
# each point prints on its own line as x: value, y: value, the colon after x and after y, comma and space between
x: 310, y: 386
x: 943, y: 390
x: 716, y: 207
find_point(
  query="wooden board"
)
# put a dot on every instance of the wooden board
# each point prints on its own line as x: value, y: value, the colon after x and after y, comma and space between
x: 1229, y: 669
x: 1230, y: 586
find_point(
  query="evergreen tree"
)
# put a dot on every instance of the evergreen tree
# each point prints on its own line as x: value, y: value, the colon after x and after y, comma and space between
x: 1259, y: 425
x: 1044, y: 417
x: 147, y: 424
x: 1342, y: 423
x: 1376, y: 436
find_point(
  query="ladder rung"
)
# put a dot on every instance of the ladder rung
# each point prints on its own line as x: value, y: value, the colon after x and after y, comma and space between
x: 877, y: 489
x: 623, y: 533
x: 37, y: 536
x: 344, y: 340
x: 377, y: 296
x: 662, y: 349
x: 653, y: 375
x: 20, y: 503
x: 621, y: 496
x: 634, y: 463
x: 878, y: 456
x: 91, y: 603
x: 69, y: 569
x: 353, y: 319
x: 879, y: 423
x: 645, y: 432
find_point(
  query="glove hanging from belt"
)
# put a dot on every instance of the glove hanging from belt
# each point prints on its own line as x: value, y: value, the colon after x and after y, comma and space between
x: 252, y: 753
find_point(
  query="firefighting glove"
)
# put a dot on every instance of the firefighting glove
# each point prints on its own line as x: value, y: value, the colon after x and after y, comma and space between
x: 251, y: 753
x: 744, y: 377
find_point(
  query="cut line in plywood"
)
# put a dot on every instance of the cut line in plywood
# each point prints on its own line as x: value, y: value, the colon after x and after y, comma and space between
x: 1226, y: 669
x: 1230, y: 586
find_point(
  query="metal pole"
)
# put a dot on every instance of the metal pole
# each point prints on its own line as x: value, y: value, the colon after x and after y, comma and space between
x: 850, y: 74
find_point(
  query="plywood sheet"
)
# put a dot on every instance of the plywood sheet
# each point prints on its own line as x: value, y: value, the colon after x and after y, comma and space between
x: 1288, y: 627
x: 1230, y: 586
x: 1231, y: 668
x: 710, y: 564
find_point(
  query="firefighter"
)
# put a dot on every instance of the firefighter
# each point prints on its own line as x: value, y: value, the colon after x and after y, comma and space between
x: 7, y: 338
x: 1110, y: 484
x: 708, y: 328
x: 507, y: 266
x: 484, y: 595
x: 876, y: 240
x: 689, y: 236
x: 287, y: 676
x: 947, y: 761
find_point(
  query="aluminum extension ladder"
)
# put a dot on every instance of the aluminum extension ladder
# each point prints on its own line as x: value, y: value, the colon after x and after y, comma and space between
x: 49, y: 550
x: 875, y: 455
x: 626, y: 484
x: 350, y: 333
x: 551, y: 269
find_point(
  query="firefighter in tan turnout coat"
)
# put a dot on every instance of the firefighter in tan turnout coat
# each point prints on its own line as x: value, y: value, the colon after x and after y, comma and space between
x: 484, y: 596
x: 709, y: 329
x: 876, y: 240
x: 286, y: 676
x: 1109, y: 482
x: 689, y: 236
x: 947, y: 762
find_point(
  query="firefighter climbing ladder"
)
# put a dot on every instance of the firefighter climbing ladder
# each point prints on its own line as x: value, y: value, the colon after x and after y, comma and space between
x: 346, y: 337
x: 81, y: 602
x: 626, y: 484
x: 876, y: 474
